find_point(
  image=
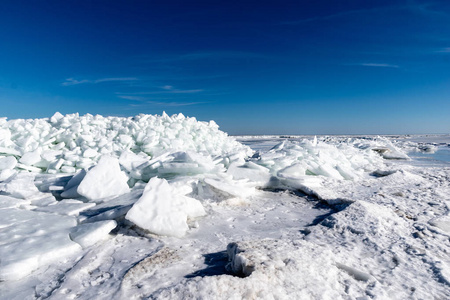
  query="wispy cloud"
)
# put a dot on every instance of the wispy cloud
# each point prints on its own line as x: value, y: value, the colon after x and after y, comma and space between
x: 207, y: 55
x: 220, y: 55
x: 426, y: 9
x: 165, y: 104
x: 429, y: 8
x: 336, y: 15
x: 172, y: 91
x: 444, y: 50
x: 174, y: 103
x: 72, y: 81
x: 378, y: 65
x: 134, y: 98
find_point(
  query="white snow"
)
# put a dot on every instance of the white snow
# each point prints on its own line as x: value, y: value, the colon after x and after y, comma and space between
x: 302, y: 217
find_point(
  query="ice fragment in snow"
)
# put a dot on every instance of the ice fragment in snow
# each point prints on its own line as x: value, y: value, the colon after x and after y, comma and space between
x: 30, y: 158
x: 67, y: 207
x: 104, y: 180
x: 10, y: 202
x: 5, y: 175
x: 230, y: 188
x: 70, y: 190
x: 250, y: 171
x: 442, y: 223
x: 22, y: 257
x: 130, y: 161
x: 20, y: 186
x: 90, y: 153
x: 357, y: 274
x: 90, y: 233
x: 56, y: 117
x: 160, y: 210
x: 7, y: 162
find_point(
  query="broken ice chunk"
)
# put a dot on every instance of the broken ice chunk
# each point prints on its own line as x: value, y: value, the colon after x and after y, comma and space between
x: 7, y: 163
x: 30, y: 158
x: 104, y: 180
x: 68, y: 207
x: 161, y: 211
x: 251, y: 171
x: 129, y: 160
x: 20, y: 185
x: 56, y: 117
x: 90, y: 233
x: 30, y: 239
x: 20, y: 258
x: 70, y: 190
x: 231, y: 188
x: 90, y: 153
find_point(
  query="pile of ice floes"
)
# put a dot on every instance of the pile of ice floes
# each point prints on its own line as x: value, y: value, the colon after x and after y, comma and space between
x: 90, y: 173
x: 306, y: 164
x: 64, y: 144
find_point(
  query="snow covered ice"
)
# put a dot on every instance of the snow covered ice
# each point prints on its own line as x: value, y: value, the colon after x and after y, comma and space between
x: 169, y: 207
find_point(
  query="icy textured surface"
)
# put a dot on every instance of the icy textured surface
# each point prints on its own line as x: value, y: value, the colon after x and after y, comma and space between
x: 340, y: 217
x: 29, y: 240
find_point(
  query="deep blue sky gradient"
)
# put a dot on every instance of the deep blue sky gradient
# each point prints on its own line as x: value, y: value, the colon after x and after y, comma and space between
x: 255, y: 67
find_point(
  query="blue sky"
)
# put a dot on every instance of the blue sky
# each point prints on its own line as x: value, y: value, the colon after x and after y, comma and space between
x: 270, y: 67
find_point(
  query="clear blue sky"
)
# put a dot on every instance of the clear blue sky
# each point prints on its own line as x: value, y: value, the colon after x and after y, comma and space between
x: 255, y: 67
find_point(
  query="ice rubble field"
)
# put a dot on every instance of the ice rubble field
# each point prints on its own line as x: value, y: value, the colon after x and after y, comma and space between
x: 168, y: 207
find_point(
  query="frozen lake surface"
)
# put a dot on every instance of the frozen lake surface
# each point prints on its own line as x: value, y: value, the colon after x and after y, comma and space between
x: 166, y: 207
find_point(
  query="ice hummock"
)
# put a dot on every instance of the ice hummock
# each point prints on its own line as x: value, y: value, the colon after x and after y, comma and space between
x: 64, y: 144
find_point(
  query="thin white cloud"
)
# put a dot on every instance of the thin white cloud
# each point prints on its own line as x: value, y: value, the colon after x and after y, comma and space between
x: 199, y: 56
x: 173, y: 103
x: 173, y: 91
x: 336, y: 15
x: 134, y: 98
x: 421, y: 8
x: 185, y: 91
x: 165, y: 104
x: 220, y: 55
x: 72, y: 81
x: 378, y: 65
x: 444, y: 50
x: 116, y: 79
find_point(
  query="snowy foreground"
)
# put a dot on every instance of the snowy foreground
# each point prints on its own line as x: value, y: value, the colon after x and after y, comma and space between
x: 164, y: 207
